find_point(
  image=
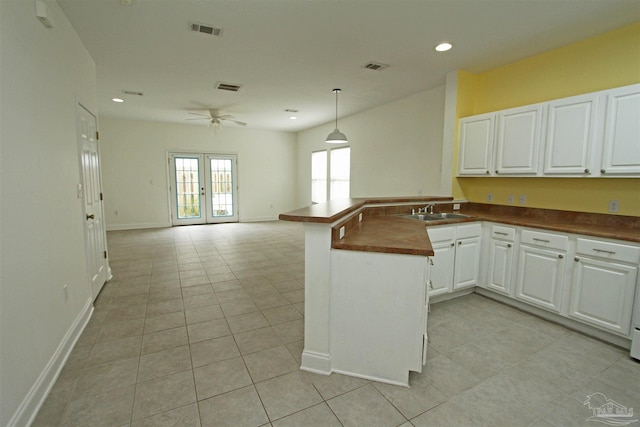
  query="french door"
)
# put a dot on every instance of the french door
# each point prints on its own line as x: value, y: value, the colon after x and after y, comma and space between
x: 203, y: 188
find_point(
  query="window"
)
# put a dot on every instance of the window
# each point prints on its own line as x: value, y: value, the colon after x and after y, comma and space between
x: 335, y: 164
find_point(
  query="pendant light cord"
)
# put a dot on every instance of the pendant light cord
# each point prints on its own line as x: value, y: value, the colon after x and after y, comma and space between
x: 336, y: 91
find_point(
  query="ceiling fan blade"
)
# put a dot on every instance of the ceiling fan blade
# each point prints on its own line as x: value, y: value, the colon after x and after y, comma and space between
x: 237, y: 122
x: 200, y: 118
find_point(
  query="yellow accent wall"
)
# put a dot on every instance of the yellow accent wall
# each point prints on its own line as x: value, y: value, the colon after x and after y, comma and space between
x: 602, y: 62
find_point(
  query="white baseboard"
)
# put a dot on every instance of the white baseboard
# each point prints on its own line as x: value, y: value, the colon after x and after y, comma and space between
x: 259, y: 219
x: 319, y: 363
x: 30, y: 405
x: 137, y: 226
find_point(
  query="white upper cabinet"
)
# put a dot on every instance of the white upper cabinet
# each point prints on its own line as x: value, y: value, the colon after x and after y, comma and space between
x: 621, y: 148
x: 518, y: 140
x: 591, y: 135
x: 571, y: 135
x: 476, y: 145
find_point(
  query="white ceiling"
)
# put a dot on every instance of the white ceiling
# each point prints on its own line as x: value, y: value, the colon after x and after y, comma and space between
x: 292, y: 53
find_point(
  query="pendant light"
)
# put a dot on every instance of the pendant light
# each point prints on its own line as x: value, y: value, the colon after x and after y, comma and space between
x: 336, y: 137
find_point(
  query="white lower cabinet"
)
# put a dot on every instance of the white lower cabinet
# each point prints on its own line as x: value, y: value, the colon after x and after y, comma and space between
x: 603, y: 285
x: 501, y: 249
x: 444, y: 248
x: 456, y: 263
x: 541, y: 269
x: 589, y: 280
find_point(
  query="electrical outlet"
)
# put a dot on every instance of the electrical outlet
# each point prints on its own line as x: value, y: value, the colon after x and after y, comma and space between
x: 523, y: 199
x: 614, y: 206
x: 489, y: 197
x: 360, y: 217
x: 456, y: 206
x: 511, y: 199
x: 342, y: 232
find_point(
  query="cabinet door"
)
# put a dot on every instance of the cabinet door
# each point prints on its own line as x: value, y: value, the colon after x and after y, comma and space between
x: 518, y: 140
x: 476, y: 145
x: 467, y: 263
x: 442, y: 268
x: 500, y: 262
x: 540, y: 277
x: 621, y: 153
x: 602, y: 294
x: 570, y: 135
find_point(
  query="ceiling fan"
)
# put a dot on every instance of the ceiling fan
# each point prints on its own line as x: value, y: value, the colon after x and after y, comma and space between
x: 215, y: 118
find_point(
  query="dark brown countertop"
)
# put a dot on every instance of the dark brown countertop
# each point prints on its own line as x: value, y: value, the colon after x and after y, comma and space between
x: 384, y: 231
x: 597, y: 225
x: 387, y: 234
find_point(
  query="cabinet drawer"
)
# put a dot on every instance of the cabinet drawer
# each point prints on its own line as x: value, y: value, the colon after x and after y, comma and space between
x: 439, y: 234
x: 545, y: 240
x: 503, y: 233
x: 468, y: 230
x: 608, y: 250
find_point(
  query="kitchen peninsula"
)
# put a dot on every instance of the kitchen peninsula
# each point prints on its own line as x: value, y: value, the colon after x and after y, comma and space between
x: 366, y: 274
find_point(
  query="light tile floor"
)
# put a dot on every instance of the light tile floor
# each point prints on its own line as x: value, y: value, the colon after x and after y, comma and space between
x: 203, y: 326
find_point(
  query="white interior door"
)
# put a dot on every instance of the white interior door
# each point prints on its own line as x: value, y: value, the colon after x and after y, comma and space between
x: 204, y: 188
x: 96, y: 247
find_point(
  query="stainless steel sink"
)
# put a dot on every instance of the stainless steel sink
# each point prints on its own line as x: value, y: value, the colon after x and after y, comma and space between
x: 440, y: 216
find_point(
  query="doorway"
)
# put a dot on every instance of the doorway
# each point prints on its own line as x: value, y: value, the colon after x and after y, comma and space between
x: 203, y: 188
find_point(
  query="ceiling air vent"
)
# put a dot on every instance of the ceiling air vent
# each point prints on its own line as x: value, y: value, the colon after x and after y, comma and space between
x: 231, y: 87
x: 132, y: 92
x: 197, y: 27
x: 375, y: 66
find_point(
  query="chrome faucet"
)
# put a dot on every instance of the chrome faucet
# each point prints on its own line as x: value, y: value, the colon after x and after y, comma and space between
x: 427, y: 209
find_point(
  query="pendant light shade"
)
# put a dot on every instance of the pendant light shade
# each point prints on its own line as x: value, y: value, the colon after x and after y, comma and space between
x: 336, y: 137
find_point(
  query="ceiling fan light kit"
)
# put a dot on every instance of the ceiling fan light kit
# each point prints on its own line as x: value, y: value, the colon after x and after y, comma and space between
x: 336, y: 137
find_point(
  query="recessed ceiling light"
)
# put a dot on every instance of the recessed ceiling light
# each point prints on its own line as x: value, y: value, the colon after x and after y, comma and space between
x: 117, y: 100
x: 443, y: 47
x: 293, y: 118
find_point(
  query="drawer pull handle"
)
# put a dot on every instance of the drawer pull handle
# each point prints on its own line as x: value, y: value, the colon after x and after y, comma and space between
x: 500, y: 233
x: 508, y: 245
x: 560, y: 256
x: 604, y: 251
x: 576, y: 259
x: 541, y: 240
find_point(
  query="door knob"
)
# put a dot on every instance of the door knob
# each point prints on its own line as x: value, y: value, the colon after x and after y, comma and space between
x: 90, y: 216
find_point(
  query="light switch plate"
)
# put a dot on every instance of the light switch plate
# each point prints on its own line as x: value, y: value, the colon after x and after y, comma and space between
x: 342, y: 232
x: 511, y: 199
x: 523, y: 199
x: 614, y: 206
x: 489, y: 197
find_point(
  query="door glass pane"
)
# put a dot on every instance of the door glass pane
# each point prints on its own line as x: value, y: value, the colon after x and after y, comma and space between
x: 221, y: 187
x: 187, y: 187
x: 319, y: 177
x: 340, y: 173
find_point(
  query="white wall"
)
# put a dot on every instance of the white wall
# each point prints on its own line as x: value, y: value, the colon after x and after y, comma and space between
x: 135, y: 178
x: 43, y: 73
x: 396, y: 148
